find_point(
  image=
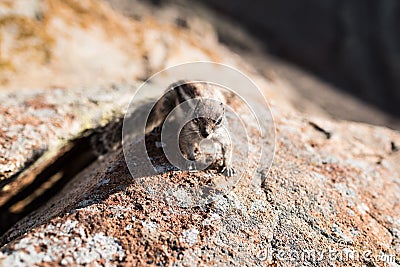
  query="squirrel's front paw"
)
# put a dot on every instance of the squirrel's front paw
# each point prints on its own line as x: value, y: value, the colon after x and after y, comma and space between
x: 228, y: 171
x: 190, y: 166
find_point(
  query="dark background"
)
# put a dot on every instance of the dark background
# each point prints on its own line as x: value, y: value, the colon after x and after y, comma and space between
x: 353, y: 44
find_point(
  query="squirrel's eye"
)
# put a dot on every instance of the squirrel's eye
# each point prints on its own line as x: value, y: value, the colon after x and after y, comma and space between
x: 219, y: 120
x: 196, y: 120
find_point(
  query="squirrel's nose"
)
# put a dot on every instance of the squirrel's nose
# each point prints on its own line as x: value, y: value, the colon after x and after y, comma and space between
x: 205, y: 134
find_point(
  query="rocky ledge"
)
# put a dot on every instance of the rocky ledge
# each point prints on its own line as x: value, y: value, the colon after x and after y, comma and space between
x: 333, y: 188
x: 331, y: 196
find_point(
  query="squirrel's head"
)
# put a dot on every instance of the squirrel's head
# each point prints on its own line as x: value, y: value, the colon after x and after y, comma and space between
x: 208, y: 116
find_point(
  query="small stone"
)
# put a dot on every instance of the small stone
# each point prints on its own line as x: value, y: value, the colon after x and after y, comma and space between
x: 189, y: 236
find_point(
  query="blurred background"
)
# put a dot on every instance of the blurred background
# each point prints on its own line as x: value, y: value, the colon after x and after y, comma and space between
x: 340, y: 56
x: 352, y: 45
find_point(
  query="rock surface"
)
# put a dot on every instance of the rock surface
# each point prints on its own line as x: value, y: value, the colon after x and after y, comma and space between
x: 330, y: 197
x: 35, y: 121
x: 36, y: 129
x: 339, y: 194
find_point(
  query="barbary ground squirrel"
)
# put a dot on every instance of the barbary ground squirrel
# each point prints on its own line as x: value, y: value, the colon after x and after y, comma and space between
x: 208, y: 118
